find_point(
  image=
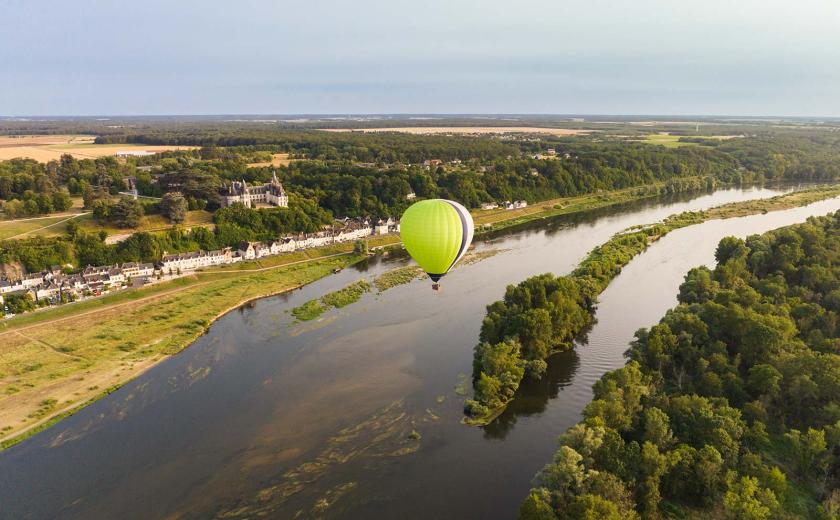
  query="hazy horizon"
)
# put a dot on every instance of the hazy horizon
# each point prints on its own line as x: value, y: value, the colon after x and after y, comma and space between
x: 538, y: 57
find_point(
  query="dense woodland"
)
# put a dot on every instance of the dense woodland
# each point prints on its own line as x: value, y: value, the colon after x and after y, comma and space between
x: 729, y: 407
x: 368, y: 175
x: 355, y: 174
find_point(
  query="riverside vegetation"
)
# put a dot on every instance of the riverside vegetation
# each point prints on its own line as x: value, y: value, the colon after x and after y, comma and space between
x: 729, y: 407
x: 340, y: 298
x: 545, y: 313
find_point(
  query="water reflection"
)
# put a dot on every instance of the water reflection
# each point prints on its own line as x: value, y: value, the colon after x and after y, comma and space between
x: 533, y: 395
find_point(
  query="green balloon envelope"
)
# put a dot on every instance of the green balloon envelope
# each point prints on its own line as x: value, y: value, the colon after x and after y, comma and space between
x: 436, y: 233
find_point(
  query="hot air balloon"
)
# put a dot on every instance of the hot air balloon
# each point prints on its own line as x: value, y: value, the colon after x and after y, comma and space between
x: 436, y: 233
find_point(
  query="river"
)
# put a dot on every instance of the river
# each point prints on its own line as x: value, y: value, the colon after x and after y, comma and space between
x: 357, y: 415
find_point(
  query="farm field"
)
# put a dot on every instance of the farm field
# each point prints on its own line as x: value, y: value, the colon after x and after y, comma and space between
x: 673, y: 141
x: 46, y: 148
x: 277, y: 159
x: 420, y: 130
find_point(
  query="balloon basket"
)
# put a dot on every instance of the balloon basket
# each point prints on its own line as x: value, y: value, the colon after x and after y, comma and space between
x: 436, y: 286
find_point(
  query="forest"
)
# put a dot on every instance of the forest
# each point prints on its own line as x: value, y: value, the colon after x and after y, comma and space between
x: 729, y: 407
x: 356, y: 174
x: 369, y: 175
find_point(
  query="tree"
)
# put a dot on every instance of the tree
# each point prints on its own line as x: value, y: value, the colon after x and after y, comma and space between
x: 594, y: 507
x: 72, y: 228
x: 657, y: 428
x: 174, y: 207
x: 729, y: 247
x: 537, y: 506
x: 61, y: 200
x: 127, y: 213
x: 745, y: 500
x: 807, y: 449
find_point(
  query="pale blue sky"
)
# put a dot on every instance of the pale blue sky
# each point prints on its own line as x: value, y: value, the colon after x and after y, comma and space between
x: 735, y: 57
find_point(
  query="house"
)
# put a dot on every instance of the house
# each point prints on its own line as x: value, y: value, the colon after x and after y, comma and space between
x: 551, y: 151
x: 95, y: 271
x: 6, y: 287
x: 31, y: 280
x: 288, y: 244
x: 133, y: 153
x: 96, y: 280
x: 271, y: 193
x: 195, y: 260
x: 247, y: 251
x: 517, y: 204
x: 411, y: 196
x: 133, y: 269
x: 431, y: 163
x: 115, y: 276
x: 49, y: 291
x: 489, y: 205
x: 275, y: 247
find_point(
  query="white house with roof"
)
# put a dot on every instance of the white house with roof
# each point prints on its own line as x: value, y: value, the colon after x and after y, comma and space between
x: 195, y: 260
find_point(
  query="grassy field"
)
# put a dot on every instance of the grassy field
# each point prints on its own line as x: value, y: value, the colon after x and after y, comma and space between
x: 277, y: 159
x: 673, y: 141
x: 53, y: 361
x: 150, y: 223
x: 46, y: 148
x: 44, y: 226
x: 57, y: 225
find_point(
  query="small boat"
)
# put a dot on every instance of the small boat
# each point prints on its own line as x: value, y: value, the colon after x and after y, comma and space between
x: 336, y: 270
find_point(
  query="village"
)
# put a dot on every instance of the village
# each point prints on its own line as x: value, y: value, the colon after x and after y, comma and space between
x: 60, y: 284
x: 55, y: 287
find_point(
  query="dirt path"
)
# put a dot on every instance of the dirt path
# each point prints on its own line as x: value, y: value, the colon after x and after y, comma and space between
x: 51, y: 215
x: 74, y: 215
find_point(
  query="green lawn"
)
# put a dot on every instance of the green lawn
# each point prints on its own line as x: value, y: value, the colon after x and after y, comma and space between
x: 39, y: 227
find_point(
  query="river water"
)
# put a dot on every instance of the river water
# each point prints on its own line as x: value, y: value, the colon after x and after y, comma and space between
x: 357, y: 415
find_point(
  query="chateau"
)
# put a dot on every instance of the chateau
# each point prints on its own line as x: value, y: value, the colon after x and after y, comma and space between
x: 269, y: 193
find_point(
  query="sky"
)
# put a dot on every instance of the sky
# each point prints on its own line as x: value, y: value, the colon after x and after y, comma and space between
x: 656, y: 57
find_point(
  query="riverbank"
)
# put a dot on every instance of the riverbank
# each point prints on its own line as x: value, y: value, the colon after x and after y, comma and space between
x: 57, y: 361
x: 501, y: 365
x: 501, y: 218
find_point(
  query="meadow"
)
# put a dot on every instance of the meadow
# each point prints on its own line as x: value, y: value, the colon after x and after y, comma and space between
x: 45, y: 148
